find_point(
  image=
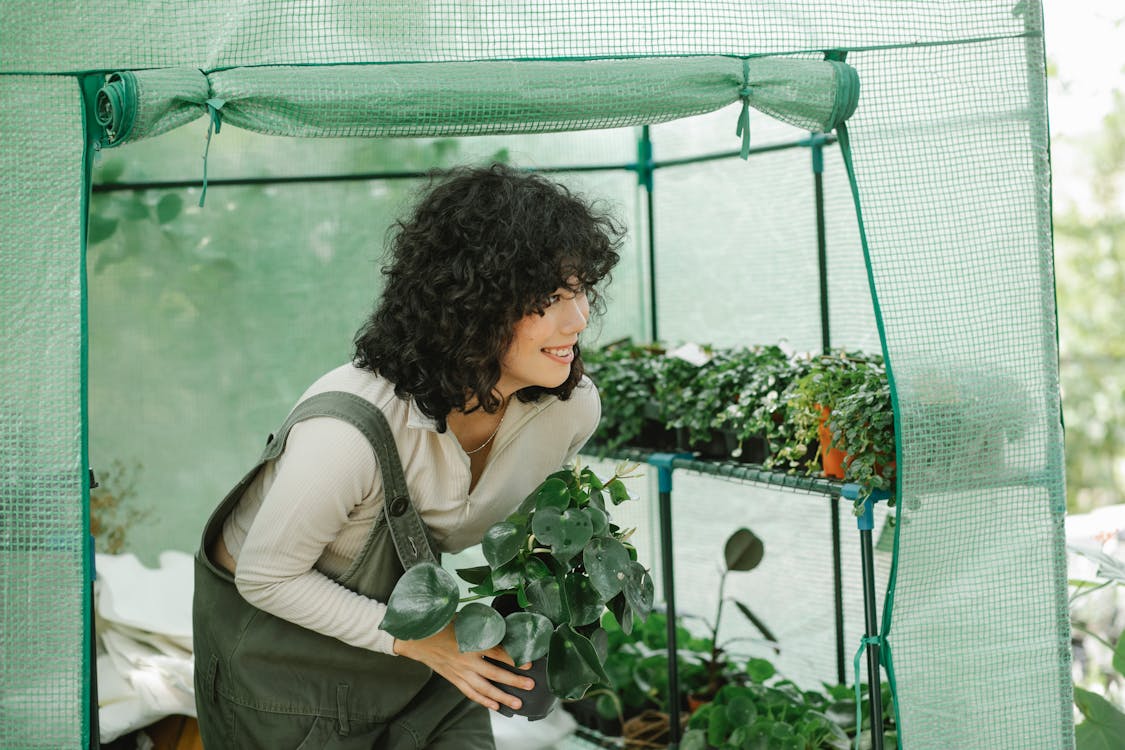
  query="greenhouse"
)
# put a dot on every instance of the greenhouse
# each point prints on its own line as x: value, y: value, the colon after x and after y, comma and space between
x: 832, y: 209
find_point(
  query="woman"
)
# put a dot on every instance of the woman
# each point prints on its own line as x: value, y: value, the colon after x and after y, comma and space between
x: 472, y: 357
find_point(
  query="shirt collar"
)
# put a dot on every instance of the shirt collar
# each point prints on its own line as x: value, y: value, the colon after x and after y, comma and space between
x: 416, y: 419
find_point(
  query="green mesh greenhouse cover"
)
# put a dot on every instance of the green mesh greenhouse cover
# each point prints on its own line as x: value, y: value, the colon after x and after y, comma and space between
x: 946, y: 145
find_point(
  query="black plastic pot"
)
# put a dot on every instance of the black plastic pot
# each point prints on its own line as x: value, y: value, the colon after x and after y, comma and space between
x: 538, y: 701
x: 654, y: 434
x: 754, y: 449
x: 714, y: 449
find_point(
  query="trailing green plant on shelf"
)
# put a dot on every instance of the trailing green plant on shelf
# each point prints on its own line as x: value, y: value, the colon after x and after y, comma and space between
x: 843, y: 404
x: 686, y: 393
x: 563, y: 561
x: 754, y: 379
x: 626, y: 375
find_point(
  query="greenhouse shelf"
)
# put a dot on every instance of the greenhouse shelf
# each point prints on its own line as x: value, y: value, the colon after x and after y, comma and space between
x: 667, y: 463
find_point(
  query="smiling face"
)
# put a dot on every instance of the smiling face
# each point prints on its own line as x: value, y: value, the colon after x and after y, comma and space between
x: 542, y: 347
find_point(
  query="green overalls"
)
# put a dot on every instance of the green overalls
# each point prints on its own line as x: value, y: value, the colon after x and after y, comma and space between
x: 264, y: 682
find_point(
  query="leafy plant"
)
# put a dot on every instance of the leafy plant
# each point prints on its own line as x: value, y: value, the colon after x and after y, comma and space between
x: 626, y: 376
x: 750, y: 382
x: 771, y: 717
x: 742, y: 552
x: 1104, y: 723
x: 863, y: 426
x: 111, y: 513
x: 563, y: 560
x: 853, y: 388
x: 638, y: 662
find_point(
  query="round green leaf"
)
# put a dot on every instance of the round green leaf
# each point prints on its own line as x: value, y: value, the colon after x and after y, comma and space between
x: 639, y: 591
x: 617, y: 492
x: 607, y: 562
x: 598, y: 518
x: 743, y: 550
x: 566, y: 533
x: 134, y: 209
x: 573, y: 664
x: 589, y: 478
x: 553, y: 493
x: 583, y: 600
x: 111, y: 170
x: 169, y: 207
x: 534, y: 569
x: 478, y: 627
x: 501, y: 543
x: 623, y: 612
x: 100, y: 229
x: 422, y: 603
x: 527, y: 637
x: 475, y: 575
x: 694, y: 739
x: 759, y: 670
x: 507, y: 576
x: 741, y: 710
x: 545, y: 597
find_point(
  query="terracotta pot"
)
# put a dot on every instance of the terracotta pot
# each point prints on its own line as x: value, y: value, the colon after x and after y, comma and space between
x: 832, y: 460
x: 695, y: 702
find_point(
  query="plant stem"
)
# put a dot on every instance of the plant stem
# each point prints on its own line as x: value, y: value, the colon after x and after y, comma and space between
x: 713, y: 664
x: 1093, y: 587
x: 1093, y: 635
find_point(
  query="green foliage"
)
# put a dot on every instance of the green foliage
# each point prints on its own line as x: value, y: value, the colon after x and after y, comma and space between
x: 563, y: 561
x: 749, y: 383
x: 637, y: 664
x: 853, y: 387
x: 755, y: 715
x: 1090, y: 278
x: 1104, y: 725
x: 112, y: 514
x: 754, y: 393
x: 626, y: 376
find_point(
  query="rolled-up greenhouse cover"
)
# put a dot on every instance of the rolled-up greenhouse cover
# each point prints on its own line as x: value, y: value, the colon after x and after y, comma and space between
x: 940, y: 112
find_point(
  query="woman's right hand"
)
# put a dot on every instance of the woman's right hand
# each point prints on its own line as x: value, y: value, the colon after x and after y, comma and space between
x: 468, y: 671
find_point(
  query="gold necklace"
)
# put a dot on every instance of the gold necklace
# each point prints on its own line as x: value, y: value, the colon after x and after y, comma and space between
x: 482, y: 446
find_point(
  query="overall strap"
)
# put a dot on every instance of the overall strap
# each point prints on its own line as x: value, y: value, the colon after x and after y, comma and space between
x: 407, y: 530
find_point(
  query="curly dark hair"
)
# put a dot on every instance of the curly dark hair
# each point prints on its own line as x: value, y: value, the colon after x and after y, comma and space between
x: 483, y: 247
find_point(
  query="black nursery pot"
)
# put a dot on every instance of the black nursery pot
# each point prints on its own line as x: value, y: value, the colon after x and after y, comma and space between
x: 538, y: 701
x: 755, y: 450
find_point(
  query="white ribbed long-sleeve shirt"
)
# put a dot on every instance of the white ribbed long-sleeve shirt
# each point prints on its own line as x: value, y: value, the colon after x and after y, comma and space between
x: 306, y: 515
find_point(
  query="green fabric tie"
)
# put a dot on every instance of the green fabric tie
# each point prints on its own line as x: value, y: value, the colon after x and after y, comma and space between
x: 868, y: 640
x: 743, y: 128
x: 213, y: 126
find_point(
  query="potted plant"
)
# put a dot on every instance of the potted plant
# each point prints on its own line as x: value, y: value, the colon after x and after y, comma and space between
x: 842, y: 405
x: 635, y: 704
x: 742, y: 552
x: 626, y: 375
x: 757, y: 377
x: 688, y: 398
x: 862, y: 427
x: 776, y: 716
x: 564, y: 562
